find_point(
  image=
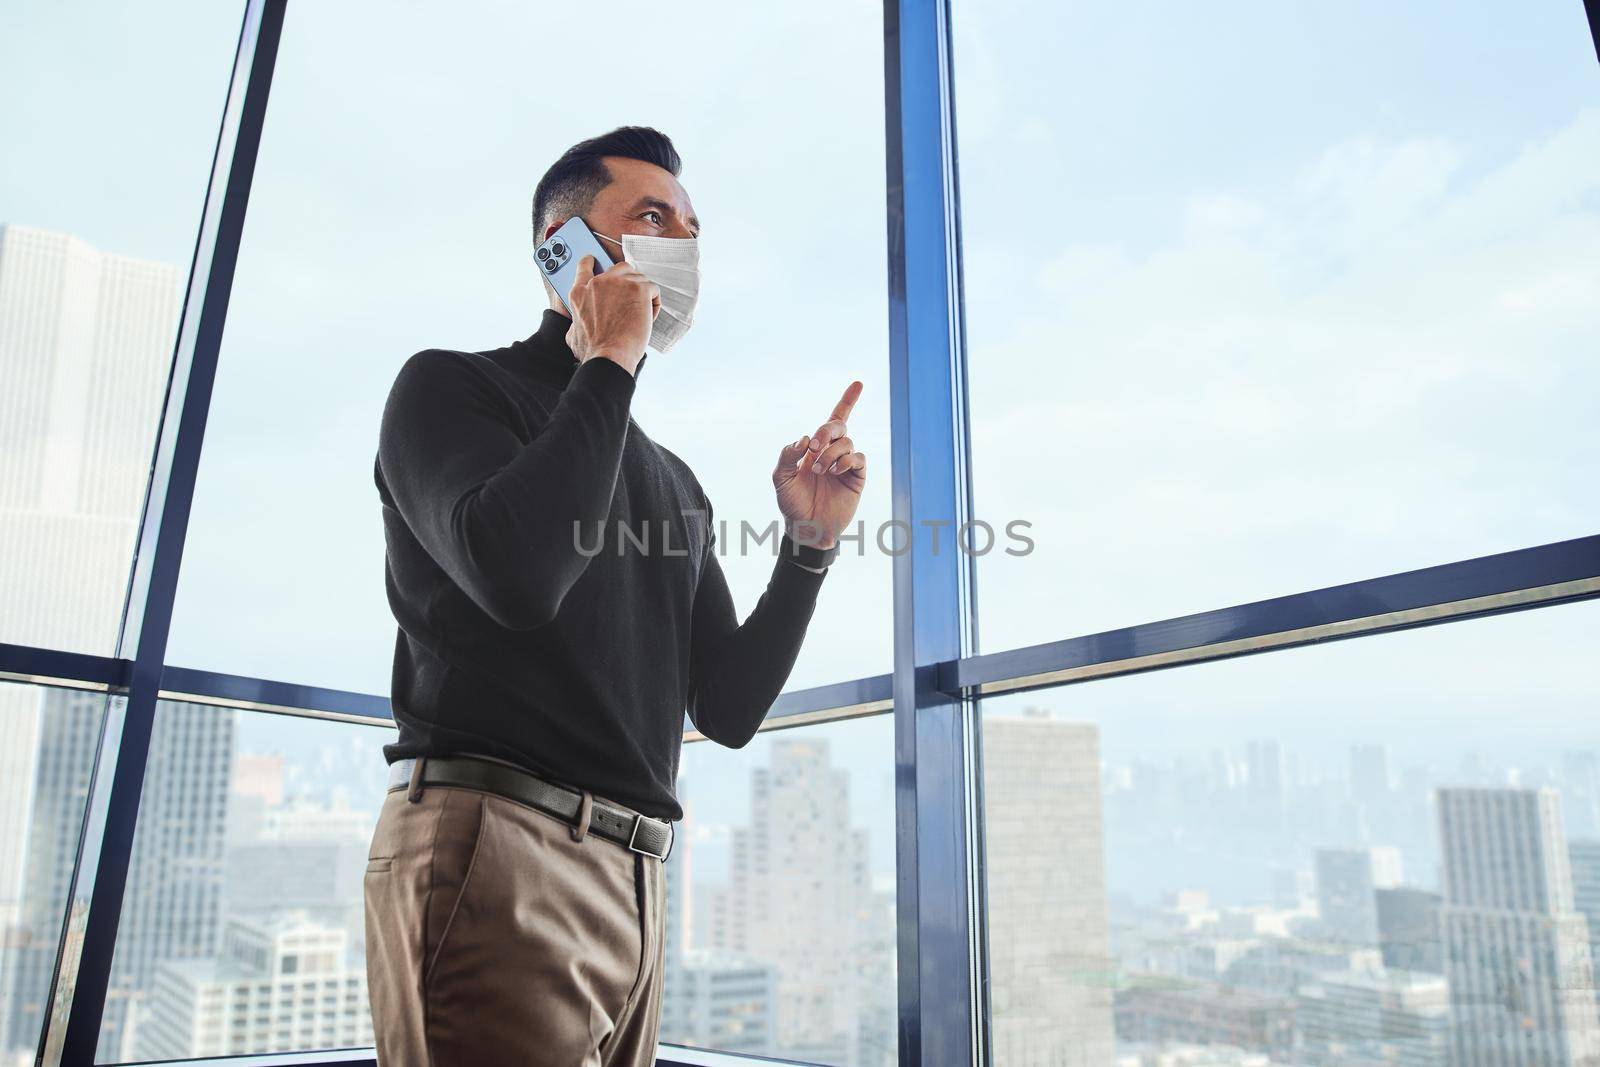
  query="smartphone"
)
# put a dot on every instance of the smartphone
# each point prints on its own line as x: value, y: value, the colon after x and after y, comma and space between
x: 558, y: 256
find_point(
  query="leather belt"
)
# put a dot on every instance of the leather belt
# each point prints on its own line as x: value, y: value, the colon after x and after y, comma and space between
x: 640, y: 833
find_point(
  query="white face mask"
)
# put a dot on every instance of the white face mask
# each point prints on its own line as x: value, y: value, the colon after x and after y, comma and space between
x: 673, y: 263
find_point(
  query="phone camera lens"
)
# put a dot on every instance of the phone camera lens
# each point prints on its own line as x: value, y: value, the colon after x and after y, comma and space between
x: 544, y: 254
x: 559, y: 249
x: 551, y: 265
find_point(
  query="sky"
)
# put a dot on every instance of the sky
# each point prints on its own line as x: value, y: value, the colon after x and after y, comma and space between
x: 1260, y: 299
x: 1308, y: 296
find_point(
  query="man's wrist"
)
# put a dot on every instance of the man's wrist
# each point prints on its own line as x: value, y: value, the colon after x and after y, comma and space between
x: 629, y: 365
x: 806, y: 532
x: 809, y: 556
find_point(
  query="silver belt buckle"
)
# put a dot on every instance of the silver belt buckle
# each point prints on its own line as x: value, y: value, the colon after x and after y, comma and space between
x: 638, y: 821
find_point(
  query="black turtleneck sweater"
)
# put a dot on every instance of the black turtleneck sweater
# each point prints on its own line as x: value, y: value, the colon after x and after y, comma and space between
x: 574, y: 654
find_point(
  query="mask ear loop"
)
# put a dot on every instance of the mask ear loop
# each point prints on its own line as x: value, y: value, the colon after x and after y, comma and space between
x: 642, y: 237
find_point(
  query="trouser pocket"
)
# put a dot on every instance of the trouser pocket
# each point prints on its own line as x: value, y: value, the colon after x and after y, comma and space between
x: 455, y: 857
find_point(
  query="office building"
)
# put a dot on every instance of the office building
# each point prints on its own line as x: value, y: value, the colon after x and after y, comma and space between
x: 1516, y: 949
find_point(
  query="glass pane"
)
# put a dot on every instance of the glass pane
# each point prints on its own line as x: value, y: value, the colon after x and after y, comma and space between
x: 48, y: 740
x: 781, y: 897
x: 398, y: 220
x: 110, y: 139
x: 1295, y: 295
x: 1378, y: 850
x: 253, y: 836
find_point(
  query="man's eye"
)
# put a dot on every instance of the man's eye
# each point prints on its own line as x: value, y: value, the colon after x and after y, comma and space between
x: 657, y: 215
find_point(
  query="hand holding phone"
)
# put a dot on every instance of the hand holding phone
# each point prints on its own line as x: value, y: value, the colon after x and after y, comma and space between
x: 612, y: 314
x: 612, y: 305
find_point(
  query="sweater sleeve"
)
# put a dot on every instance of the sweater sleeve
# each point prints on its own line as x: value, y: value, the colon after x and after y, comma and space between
x: 737, y: 670
x: 497, y: 512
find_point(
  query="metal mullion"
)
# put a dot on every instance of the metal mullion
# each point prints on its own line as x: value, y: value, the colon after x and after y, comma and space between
x: 833, y: 702
x: 941, y: 990
x: 687, y: 1056
x: 72, y: 1023
x: 280, y: 698
x: 56, y: 668
x: 346, y: 1057
x: 1489, y: 585
x: 836, y: 702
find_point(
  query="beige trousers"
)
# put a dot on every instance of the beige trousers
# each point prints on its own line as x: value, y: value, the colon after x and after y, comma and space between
x: 500, y: 935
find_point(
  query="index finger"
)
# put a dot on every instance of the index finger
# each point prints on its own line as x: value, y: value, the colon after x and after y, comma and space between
x: 841, y: 410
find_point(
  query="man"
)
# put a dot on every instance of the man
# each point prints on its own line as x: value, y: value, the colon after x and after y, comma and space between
x: 561, y: 605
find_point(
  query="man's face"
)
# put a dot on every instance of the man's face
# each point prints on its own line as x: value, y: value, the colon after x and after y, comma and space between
x: 642, y: 198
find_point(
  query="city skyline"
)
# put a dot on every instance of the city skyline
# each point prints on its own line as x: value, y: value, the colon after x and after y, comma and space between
x: 278, y: 858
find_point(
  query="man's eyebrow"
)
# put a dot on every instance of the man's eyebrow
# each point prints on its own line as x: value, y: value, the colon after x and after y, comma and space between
x: 662, y: 205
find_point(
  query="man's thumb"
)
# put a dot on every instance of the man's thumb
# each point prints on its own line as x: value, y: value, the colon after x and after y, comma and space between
x: 790, y: 455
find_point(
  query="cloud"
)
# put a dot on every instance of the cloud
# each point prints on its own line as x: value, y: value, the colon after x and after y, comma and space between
x: 1381, y: 365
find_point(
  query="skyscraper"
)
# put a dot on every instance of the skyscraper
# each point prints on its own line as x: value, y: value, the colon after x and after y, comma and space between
x: 1370, y: 777
x: 87, y: 337
x: 1585, y: 859
x: 1346, y: 879
x: 1264, y: 763
x: 799, y: 870
x: 172, y: 906
x: 680, y: 882
x: 1408, y: 929
x: 277, y: 984
x: 65, y: 735
x: 1051, y: 973
x: 1516, y: 949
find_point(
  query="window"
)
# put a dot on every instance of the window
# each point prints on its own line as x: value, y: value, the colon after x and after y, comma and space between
x: 1292, y: 296
x: 220, y: 897
x: 1257, y: 301
x: 48, y: 740
x: 390, y: 213
x: 1268, y: 850
x: 781, y: 897
x: 108, y: 144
